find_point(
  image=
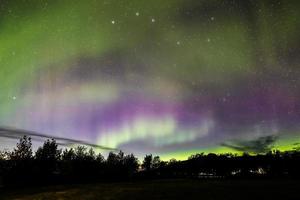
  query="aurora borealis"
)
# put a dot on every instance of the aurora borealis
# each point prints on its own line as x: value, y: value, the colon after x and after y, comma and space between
x: 170, y: 77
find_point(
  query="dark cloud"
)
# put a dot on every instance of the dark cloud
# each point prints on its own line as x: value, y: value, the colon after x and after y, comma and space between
x: 18, y: 133
x: 259, y: 145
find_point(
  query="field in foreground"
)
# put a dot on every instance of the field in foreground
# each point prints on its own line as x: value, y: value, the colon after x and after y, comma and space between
x: 165, y: 189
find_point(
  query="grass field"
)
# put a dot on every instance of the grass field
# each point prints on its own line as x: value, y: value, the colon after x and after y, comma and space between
x: 165, y: 189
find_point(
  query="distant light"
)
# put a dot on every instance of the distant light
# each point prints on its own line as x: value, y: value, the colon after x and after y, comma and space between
x: 137, y: 13
x: 113, y: 22
x: 153, y: 20
x: 14, y: 97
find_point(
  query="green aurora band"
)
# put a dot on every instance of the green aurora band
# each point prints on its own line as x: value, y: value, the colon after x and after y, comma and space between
x: 172, y: 77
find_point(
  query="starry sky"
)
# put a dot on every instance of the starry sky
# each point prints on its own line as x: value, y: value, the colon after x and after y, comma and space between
x: 171, y: 77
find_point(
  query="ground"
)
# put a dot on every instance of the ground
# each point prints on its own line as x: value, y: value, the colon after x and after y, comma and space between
x: 164, y: 190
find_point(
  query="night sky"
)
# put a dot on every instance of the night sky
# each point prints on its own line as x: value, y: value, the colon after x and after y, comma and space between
x: 168, y: 77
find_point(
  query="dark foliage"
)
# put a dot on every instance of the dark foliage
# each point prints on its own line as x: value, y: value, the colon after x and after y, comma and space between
x: 50, y: 165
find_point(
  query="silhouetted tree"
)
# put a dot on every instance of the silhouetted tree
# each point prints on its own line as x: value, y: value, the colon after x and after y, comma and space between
x: 91, y: 155
x: 67, y: 163
x: 147, y: 162
x: 131, y: 164
x: 4, y: 155
x: 49, y: 165
x: 120, y: 165
x: 48, y: 152
x: 20, y: 169
x: 23, y: 151
x: 112, y: 159
x: 47, y: 158
x: 80, y: 153
x: 68, y: 154
x: 156, y: 162
x: 100, y: 158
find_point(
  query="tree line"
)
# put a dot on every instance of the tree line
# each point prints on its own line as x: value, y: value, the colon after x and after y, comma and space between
x: 51, y: 165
